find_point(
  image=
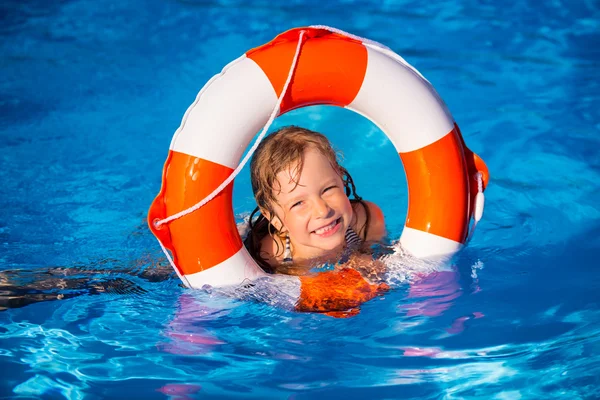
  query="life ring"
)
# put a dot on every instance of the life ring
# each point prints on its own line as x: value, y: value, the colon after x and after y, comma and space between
x: 332, y: 68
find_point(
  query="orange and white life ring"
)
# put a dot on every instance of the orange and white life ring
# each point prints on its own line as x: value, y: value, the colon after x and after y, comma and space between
x: 331, y: 68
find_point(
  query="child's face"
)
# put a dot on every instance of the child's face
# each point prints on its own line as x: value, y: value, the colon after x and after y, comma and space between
x: 316, y: 212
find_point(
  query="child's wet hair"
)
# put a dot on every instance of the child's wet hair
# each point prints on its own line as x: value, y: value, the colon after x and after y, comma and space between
x: 283, y: 149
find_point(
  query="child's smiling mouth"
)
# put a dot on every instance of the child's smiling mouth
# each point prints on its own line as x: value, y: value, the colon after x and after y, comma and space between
x: 329, y: 229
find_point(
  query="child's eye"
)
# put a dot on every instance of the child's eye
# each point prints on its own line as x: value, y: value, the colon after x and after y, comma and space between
x: 296, y: 204
x: 330, y: 187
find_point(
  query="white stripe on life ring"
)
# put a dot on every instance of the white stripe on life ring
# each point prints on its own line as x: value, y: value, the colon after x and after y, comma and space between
x: 427, y: 245
x: 233, y: 271
x: 401, y: 103
x: 227, y: 113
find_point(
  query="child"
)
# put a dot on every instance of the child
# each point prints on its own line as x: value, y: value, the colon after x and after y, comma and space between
x: 305, y: 214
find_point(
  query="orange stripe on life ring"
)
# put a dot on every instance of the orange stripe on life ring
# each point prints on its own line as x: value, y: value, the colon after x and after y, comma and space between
x: 330, y: 70
x: 208, y: 236
x: 438, y: 191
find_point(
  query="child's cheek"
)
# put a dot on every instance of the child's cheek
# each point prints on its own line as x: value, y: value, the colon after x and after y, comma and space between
x: 348, y: 207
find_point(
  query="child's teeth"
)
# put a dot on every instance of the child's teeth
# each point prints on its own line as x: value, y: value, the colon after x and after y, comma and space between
x: 327, y: 228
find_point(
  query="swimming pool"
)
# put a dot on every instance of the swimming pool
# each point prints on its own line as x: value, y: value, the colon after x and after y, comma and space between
x: 91, y: 95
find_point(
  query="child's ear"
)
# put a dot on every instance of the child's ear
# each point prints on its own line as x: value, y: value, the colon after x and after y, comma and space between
x: 272, y: 218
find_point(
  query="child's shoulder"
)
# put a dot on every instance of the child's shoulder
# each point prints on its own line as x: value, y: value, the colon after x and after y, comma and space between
x: 376, y: 228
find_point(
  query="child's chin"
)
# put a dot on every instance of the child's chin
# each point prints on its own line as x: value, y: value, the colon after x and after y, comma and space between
x: 329, y: 244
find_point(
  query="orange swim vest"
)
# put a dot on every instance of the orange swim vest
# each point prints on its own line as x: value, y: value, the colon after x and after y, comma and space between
x: 332, y: 68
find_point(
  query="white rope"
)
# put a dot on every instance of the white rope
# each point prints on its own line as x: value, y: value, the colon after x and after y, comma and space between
x: 373, y: 45
x: 231, y: 177
x: 350, y: 35
x: 252, y: 149
x: 479, y: 203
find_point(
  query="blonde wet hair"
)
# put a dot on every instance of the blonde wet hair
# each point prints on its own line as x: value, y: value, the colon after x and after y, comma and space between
x: 281, y: 150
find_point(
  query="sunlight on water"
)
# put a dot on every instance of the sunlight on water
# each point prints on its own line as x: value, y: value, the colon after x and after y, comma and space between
x: 91, y: 95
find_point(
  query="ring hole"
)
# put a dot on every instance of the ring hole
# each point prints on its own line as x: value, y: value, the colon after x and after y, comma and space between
x: 155, y: 222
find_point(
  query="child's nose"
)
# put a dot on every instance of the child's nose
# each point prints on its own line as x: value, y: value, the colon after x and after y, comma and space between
x: 321, y: 208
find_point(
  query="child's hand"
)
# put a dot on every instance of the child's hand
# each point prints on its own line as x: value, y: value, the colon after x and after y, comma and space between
x: 340, y: 290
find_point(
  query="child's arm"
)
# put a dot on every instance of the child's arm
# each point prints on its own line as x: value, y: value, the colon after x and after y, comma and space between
x: 376, y: 223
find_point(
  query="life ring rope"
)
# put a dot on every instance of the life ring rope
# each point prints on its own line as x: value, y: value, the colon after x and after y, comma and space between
x: 243, y: 163
x: 235, y: 173
x: 373, y: 45
x: 479, y: 204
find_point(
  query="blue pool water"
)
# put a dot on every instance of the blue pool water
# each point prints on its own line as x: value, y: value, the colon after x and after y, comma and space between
x: 90, y: 95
